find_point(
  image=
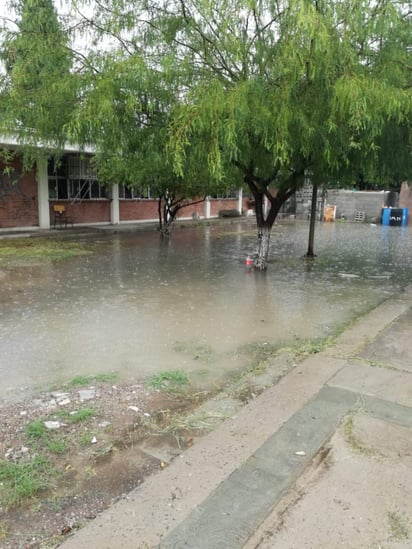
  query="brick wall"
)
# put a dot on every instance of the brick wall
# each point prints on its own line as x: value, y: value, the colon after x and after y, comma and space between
x: 87, y: 211
x: 18, y: 202
x: 135, y: 210
x: 217, y: 204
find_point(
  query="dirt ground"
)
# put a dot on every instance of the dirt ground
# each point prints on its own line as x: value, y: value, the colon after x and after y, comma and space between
x: 101, y: 443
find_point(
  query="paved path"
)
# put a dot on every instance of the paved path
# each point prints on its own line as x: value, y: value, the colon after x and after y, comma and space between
x: 322, y: 459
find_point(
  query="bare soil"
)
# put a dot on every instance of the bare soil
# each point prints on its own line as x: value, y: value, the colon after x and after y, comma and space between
x: 102, y: 457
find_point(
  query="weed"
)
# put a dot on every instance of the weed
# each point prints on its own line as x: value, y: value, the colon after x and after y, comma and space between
x: 86, y: 438
x: 106, y: 377
x: 57, y: 446
x: 82, y: 381
x: 399, y: 526
x: 19, y: 481
x: 35, y: 429
x: 4, y: 530
x: 168, y: 380
x: 311, y: 347
x: 76, y: 416
x: 103, y: 452
x: 354, y: 442
x: 246, y: 393
x: 90, y: 472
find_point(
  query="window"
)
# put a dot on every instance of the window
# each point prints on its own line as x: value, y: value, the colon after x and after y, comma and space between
x: 73, y: 177
x: 81, y: 168
x: 230, y: 193
x: 134, y: 192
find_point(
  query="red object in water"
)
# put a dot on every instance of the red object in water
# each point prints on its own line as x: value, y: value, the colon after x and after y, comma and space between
x: 249, y: 261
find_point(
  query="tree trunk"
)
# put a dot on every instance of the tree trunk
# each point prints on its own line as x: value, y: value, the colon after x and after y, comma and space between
x: 265, y: 219
x: 310, y: 253
x: 262, y: 248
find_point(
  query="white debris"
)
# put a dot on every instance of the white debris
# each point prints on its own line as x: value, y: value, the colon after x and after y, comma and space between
x: 53, y: 424
x: 87, y: 394
x: 300, y: 453
x: 348, y: 275
x: 59, y: 395
x: 134, y: 408
x: 94, y: 440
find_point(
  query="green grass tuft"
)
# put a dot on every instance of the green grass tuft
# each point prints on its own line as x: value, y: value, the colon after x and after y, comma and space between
x: 35, y: 429
x: 83, y: 381
x: 20, y: 481
x: 168, y: 380
x: 76, y: 416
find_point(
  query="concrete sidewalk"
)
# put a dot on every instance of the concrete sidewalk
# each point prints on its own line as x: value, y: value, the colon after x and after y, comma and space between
x: 322, y: 459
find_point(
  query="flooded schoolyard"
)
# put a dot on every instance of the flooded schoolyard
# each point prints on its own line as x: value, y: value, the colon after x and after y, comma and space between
x: 136, y: 304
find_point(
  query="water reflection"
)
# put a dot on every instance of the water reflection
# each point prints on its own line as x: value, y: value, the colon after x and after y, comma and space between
x: 139, y: 304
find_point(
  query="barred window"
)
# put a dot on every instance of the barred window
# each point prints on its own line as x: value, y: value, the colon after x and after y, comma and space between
x: 133, y: 193
x: 73, y: 177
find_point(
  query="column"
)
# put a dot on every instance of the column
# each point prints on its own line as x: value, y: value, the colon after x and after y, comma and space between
x: 207, y: 208
x: 114, y: 206
x: 240, y: 201
x: 43, y: 194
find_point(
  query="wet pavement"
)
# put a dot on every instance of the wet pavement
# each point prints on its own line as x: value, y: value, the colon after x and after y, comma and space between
x: 136, y: 305
x: 320, y: 460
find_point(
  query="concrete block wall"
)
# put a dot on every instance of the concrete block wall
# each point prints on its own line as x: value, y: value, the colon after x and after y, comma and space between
x: 349, y: 202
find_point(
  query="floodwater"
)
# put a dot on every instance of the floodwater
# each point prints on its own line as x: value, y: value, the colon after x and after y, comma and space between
x: 137, y: 305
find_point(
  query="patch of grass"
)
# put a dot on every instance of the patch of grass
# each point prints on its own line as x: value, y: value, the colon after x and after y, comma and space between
x: 80, y: 381
x: 168, y: 380
x: 83, y: 381
x: 35, y: 429
x: 399, y: 526
x: 43, y: 438
x: 314, y: 346
x: 4, y: 530
x: 57, y: 445
x: 76, y: 416
x: 30, y: 249
x: 85, y: 438
x: 106, y: 377
x: 21, y: 481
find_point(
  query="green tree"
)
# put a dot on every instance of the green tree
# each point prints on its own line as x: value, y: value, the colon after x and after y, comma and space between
x: 277, y: 91
x: 38, y: 88
x: 126, y: 115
